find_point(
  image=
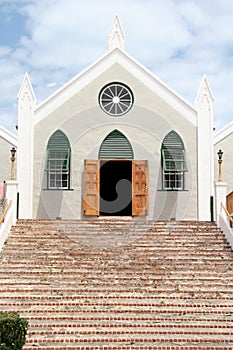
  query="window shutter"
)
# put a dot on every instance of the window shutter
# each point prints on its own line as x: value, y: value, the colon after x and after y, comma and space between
x: 58, y: 141
x: 173, y: 153
x: 116, y: 146
x: 58, y: 161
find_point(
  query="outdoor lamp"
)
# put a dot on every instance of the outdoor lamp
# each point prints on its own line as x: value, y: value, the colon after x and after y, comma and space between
x: 220, y: 154
x: 13, y: 151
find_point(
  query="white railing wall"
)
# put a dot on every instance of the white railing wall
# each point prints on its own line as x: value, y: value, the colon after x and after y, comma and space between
x: 5, y: 226
x: 10, y: 216
x: 224, y: 224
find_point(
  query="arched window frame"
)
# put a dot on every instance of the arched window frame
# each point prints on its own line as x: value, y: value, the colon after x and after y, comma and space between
x: 58, y: 161
x: 116, y: 146
x: 174, y: 163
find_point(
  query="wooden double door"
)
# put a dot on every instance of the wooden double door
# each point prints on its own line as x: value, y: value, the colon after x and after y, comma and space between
x: 115, y: 187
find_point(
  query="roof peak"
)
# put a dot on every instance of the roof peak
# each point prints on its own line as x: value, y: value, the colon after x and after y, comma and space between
x: 116, y: 37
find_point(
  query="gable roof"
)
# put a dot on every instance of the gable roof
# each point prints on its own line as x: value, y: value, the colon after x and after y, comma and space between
x: 223, y: 133
x: 97, y: 68
x: 8, y: 136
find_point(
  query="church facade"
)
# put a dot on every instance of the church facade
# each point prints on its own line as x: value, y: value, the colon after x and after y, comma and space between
x: 115, y: 141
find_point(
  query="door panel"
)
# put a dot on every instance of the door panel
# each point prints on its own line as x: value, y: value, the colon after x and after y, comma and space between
x: 140, y: 190
x: 91, y: 188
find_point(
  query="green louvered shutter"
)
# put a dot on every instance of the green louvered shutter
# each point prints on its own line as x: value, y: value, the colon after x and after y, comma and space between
x: 58, y: 161
x: 173, y: 153
x: 58, y: 141
x: 116, y: 146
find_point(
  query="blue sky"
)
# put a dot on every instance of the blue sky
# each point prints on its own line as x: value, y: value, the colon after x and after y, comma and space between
x: 178, y: 40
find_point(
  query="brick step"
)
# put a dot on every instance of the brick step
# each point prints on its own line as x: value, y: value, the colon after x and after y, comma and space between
x: 125, y: 230
x: 120, y: 233
x: 47, y: 289
x: 115, y: 221
x: 158, y: 248
x: 187, y: 326
x: 154, y: 238
x: 214, y: 299
x: 181, y: 319
x: 106, y: 279
x: 220, y: 267
x: 128, y: 347
x: 103, y: 265
x: 141, y: 256
x: 74, y: 287
x: 161, y: 310
x: 64, y: 272
x: 136, y: 339
x: 171, y: 243
x: 125, y: 330
x: 97, y: 295
x: 207, y: 296
x: 87, y: 305
x: 141, y: 259
x: 150, y: 225
x: 49, y: 284
x: 217, y: 245
x: 130, y: 232
x: 195, y: 268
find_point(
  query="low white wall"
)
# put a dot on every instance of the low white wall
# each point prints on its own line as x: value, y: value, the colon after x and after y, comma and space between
x: 5, y: 227
x: 223, y: 223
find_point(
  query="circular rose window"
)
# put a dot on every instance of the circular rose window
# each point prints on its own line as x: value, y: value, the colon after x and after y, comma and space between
x: 116, y: 99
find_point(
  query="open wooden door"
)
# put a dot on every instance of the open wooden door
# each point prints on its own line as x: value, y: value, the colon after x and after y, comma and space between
x: 91, y: 188
x: 139, y: 187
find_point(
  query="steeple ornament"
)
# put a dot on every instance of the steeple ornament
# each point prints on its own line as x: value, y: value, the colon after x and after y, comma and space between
x: 116, y: 37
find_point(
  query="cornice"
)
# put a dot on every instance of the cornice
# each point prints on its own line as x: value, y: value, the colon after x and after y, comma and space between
x: 223, y: 133
x: 8, y: 136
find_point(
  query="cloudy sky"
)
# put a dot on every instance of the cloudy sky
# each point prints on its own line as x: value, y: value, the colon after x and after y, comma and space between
x: 178, y: 40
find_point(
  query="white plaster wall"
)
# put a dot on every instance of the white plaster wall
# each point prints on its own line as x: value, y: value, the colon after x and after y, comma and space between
x: 227, y: 165
x: 5, y: 162
x: 86, y: 125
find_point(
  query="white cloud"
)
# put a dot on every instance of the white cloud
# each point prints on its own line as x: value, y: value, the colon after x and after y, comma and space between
x: 179, y: 40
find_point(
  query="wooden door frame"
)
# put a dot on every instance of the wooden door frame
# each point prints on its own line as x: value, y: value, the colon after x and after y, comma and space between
x: 91, y: 195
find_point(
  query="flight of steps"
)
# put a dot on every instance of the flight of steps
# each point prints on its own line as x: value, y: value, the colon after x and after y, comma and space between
x: 119, y: 284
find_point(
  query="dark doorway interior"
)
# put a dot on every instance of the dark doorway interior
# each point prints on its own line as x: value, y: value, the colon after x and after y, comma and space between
x: 116, y: 188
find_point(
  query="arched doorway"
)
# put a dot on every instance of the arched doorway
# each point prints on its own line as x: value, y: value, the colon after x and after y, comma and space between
x: 115, y: 175
x: 115, y: 184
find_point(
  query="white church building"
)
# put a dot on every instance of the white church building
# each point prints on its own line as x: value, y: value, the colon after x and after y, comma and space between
x: 115, y: 141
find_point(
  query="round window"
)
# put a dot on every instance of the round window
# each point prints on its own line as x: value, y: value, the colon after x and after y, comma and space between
x: 116, y: 99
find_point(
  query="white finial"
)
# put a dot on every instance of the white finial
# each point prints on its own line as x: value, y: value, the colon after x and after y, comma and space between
x: 26, y: 88
x: 116, y: 37
x: 204, y: 92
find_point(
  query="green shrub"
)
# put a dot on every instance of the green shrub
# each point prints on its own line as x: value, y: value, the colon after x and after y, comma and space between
x: 13, y: 330
x: 3, y: 347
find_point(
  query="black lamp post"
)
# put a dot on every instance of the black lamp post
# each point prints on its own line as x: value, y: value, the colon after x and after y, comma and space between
x: 13, y: 151
x: 220, y: 154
